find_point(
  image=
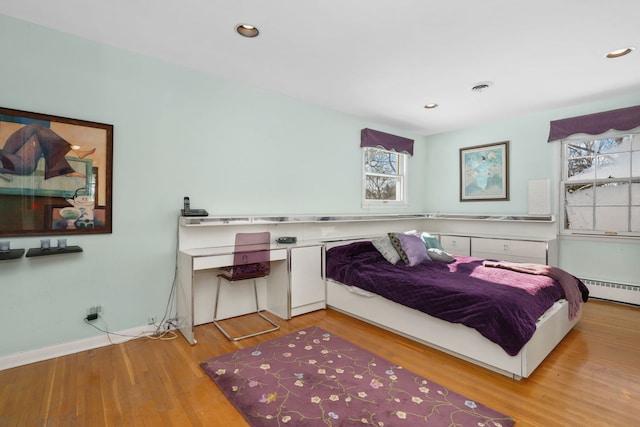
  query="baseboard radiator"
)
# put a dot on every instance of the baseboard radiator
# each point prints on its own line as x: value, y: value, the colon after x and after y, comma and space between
x: 622, y: 292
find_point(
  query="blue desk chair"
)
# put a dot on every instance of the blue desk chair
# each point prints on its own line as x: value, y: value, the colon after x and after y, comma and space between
x: 251, y: 261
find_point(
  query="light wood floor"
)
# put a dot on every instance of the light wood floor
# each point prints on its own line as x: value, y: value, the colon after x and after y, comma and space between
x: 591, y: 379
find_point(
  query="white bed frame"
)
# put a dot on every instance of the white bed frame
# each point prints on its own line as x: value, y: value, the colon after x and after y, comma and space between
x: 453, y: 338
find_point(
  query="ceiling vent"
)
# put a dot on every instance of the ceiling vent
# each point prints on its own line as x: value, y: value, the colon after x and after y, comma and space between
x: 481, y: 87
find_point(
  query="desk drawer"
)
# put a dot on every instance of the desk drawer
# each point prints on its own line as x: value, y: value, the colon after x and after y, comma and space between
x: 226, y: 260
x: 510, y: 250
x: 456, y: 245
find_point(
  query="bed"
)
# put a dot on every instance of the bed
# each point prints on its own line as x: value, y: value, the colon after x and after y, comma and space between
x: 501, y: 319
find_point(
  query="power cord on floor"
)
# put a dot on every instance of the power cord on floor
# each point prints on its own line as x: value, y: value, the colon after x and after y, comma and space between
x: 167, y: 324
x: 164, y: 330
x: 166, y: 335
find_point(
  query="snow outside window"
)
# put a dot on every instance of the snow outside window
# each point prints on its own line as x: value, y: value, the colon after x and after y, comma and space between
x: 601, y: 185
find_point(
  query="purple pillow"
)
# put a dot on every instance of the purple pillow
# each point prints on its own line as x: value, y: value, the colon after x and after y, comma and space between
x: 414, y: 248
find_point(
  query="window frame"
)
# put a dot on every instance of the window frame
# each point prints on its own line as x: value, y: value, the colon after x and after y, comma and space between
x: 596, y: 183
x: 402, y: 175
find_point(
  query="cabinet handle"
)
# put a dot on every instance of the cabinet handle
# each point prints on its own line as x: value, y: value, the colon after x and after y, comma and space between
x: 506, y: 247
x: 453, y: 243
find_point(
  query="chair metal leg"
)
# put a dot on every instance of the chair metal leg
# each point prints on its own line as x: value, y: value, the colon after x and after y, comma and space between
x: 215, y: 313
x: 226, y: 334
x: 215, y: 309
x: 275, y: 325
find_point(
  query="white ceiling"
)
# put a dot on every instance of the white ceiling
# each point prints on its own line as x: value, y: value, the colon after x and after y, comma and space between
x: 381, y: 60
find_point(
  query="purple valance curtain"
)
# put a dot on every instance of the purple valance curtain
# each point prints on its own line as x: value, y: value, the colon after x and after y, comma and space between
x: 377, y: 139
x: 595, y: 124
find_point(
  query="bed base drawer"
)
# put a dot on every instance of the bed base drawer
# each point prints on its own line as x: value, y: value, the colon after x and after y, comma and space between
x: 456, y: 245
x: 510, y: 250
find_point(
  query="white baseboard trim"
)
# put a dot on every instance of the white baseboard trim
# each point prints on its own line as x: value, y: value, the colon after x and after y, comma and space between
x: 45, y: 353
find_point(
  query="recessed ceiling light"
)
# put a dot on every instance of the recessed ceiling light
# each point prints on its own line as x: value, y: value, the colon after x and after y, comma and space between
x: 430, y: 106
x: 620, y: 52
x: 479, y: 87
x: 247, y: 30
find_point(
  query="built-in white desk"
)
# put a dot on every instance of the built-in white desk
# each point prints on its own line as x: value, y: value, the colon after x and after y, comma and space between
x: 294, y: 286
x: 296, y: 283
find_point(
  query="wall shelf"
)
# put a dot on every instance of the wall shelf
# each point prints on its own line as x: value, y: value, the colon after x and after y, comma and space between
x: 11, y: 254
x: 245, y: 220
x: 53, y: 251
x: 492, y: 217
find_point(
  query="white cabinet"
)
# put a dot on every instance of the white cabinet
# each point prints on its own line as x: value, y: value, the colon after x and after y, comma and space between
x: 307, y: 285
x: 456, y: 245
x: 510, y: 250
x: 503, y: 249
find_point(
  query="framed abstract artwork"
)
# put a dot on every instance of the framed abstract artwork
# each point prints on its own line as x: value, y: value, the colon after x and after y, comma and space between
x: 55, y: 175
x: 484, y: 172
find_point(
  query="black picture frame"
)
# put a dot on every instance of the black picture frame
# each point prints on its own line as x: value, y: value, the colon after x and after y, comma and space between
x: 46, y: 161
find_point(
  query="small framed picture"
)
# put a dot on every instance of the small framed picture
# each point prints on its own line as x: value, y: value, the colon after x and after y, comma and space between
x: 484, y: 172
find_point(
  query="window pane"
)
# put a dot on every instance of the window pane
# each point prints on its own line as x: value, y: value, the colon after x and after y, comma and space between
x: 612, y: 218
x: 613, y: 166
x: 612, y: 145
x: 635, y: 192
x: 635, y: 162
x: 580, y: 168
x: 579, y: 149
x: 381, y: 188
x: 579, y: 218
x: 383, y: 176
x: 579, y: 194
x: 612, y: 193
x: 602, y: 184
x: 635, y: 219
x: 381, y: 162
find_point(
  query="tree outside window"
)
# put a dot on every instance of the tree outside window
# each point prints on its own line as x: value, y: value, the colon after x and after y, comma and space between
x: 384, y: 176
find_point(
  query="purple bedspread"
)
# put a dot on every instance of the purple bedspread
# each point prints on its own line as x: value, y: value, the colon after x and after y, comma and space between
x: 502, y: 305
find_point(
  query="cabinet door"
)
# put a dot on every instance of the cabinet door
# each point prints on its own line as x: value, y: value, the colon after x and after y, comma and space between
x: 456, y: 245
x: 510, y: 250
x: 307, y: 279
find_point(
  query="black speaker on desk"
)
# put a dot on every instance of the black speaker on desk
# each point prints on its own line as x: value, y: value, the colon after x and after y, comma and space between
x: 286, y: 240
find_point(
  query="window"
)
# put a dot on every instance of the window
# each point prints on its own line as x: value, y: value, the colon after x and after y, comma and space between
x: 601, y: 185
x: 384, y: 177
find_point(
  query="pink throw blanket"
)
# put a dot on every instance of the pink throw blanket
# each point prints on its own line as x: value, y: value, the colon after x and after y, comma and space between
x: 568, y: 282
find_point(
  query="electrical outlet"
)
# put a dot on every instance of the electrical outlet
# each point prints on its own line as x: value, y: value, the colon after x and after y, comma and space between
x: 93, y: 312
x: 95, y: 309
x: 151, y: 320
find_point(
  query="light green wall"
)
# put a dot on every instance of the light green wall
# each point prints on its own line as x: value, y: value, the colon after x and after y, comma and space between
x: 233, y: 149
x: 608, y: 261
x: 531, y: 157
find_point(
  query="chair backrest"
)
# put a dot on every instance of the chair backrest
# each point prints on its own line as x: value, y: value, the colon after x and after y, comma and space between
x: 251, y: 255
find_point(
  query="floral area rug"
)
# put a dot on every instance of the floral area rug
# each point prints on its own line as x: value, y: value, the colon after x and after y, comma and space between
x: 314, y: 378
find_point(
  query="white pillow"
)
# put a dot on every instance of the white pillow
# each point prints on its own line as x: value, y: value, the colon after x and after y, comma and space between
x: 386, y: 249
x: 439, y: 255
